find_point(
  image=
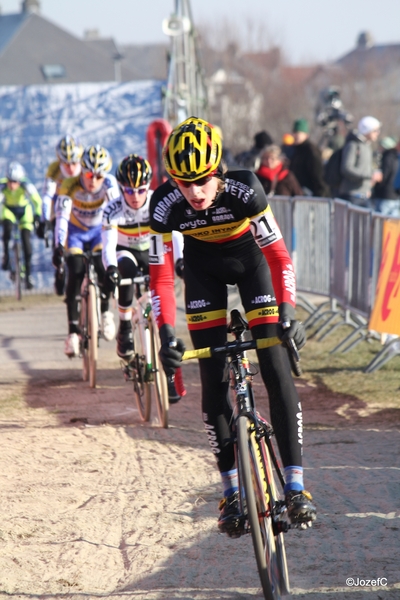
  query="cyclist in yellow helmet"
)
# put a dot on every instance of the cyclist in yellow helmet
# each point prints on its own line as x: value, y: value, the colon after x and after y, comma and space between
x: 230, y: 237
x: 79, y: 210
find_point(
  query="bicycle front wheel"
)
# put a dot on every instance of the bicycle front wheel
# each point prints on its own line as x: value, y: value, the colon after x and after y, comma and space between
x: 141, y: 374
x: 281, y: 562
x: 252, y: 481
x: 83, y: 324
x: 159, y: 379
x: 93, y: 335
x: 17, y: 265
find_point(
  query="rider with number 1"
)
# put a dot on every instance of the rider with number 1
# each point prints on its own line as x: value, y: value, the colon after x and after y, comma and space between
x: 126, y: 241
x: 231, y: 237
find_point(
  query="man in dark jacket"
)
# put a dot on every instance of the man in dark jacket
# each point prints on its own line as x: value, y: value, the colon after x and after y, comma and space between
x: 386, y: 199
x: 306, y: 162
x: 250, y: 159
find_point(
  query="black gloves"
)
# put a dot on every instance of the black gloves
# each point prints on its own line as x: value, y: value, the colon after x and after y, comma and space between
x: 58, y: 256
x: 179, y: 267
x: 42, y: 228
x: 112, y: 279
x: 172, y: 349
x: 289, y: 328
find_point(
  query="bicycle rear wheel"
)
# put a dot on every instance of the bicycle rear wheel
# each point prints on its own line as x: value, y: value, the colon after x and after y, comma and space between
x: 93, y: 332
x: 141, y: 385
x: 253, y: 484
x: 159, y: 379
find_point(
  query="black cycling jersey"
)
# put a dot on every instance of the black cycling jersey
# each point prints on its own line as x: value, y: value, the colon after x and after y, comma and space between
x: 229, y: 244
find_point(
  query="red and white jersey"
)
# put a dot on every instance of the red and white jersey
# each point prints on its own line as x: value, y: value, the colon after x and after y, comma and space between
x: 125, y: 227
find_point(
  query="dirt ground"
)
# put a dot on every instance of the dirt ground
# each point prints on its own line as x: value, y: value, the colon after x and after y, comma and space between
x: 97, y: 505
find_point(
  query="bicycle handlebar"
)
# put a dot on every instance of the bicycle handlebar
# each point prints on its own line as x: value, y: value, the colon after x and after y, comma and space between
x: 139, y: 279
x: 232, y: 348
x: 241, y: 346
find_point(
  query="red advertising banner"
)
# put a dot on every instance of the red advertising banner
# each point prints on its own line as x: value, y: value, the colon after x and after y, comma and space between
x: 385, y: 315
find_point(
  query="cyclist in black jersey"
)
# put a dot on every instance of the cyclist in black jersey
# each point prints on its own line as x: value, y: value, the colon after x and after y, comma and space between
x: 230, y: 237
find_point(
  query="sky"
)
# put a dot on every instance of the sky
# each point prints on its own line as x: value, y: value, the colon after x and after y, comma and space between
x: 308, y: 31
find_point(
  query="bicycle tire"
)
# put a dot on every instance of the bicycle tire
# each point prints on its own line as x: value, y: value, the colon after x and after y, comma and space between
x: 93, y: 332
x: 18, y: 282
x: 83, y: 324
x: 254, y: 504
x: 159, y: 379
x: 280, y: 567
x: 141, y: 385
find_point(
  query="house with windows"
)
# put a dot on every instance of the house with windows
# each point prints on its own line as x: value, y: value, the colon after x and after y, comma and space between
x: 33, y: 50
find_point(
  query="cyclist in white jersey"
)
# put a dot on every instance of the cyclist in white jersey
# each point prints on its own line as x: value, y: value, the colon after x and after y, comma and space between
x: 79, y: 211
x: 126, y: 242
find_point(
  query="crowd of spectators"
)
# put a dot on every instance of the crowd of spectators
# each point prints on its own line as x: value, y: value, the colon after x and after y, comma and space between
x: 367, y: 163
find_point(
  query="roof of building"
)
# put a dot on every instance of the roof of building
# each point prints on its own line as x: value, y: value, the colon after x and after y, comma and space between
x: 33, y: 50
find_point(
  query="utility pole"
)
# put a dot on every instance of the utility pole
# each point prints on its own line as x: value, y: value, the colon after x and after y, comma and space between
x: 186, y: 93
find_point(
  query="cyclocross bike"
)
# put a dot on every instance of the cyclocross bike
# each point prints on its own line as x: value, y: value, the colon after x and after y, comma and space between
x: 144, y: 368
x: 17, y: 269
x: 263, y: 508
x: 89, y: 320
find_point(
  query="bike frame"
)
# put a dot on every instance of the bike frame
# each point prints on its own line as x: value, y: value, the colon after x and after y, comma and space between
x: 90, y: 336
x: 151, y: 376
x: 264, y: 514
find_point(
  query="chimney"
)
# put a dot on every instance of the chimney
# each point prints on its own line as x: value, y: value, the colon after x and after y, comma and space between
x: 31, y: 6
x: 91, y: 34
x: 365, y: 40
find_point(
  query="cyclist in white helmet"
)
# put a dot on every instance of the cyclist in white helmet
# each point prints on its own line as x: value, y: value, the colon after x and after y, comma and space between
x: 20, y: 202
x: 69, y: 152
x: 79, y: 210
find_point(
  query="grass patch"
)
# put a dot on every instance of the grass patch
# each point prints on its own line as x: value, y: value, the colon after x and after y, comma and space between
x: 344, y: 372
x: 9, y: 303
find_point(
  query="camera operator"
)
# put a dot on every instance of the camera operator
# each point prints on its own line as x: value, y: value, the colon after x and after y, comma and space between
x: 333, y: 119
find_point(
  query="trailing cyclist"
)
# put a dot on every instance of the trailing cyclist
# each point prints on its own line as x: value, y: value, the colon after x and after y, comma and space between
x: 21, y: 203
x: 79, y: 211
x: 69, y: 153
x: 126, y: 242
x: 231, y: 237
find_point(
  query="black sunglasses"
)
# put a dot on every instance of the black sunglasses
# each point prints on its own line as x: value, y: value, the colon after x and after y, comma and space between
x: 198, y: 182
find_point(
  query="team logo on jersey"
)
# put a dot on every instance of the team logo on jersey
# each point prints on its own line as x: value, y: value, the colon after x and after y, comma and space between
x: 190, y: 212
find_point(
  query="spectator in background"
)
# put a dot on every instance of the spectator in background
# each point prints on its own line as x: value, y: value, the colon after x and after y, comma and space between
x: 357, y: 168
x: 306, y: 162
x: 250, y: 159
x: 287, y: 146
x: 274, y: 175
x: 387, y: 201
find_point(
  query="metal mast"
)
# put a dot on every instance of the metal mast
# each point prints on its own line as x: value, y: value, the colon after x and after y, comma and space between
x: 186, y: 92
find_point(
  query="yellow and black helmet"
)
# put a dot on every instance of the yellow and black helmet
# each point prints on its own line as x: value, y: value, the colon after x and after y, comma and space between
x: 134, y: 171
x: 96, y: 159
x: 193, y: 150
x: 69, y: 150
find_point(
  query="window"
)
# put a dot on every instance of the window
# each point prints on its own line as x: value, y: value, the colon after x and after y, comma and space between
x: 54, y: 71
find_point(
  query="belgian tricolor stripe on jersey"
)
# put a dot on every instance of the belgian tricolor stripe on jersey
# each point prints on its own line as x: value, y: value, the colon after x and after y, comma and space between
x: 263, y: 314
x: 205, y: 320
x: 219, y: 233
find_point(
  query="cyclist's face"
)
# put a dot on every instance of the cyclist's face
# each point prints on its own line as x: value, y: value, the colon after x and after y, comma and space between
x: 13, y: 185
x: 200, y: 194
x: 91, y: 181
x: 71, y: 169
x: 135, y: 197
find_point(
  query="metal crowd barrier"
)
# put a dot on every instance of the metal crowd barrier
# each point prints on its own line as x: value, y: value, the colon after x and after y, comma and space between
x: 336, y: 251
